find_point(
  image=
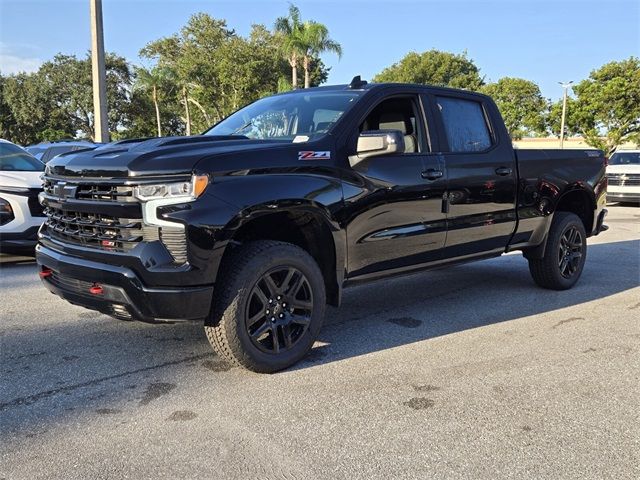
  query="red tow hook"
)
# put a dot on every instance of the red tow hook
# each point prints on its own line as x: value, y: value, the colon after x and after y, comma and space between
x: 45, y: 272
x: 96, y: 289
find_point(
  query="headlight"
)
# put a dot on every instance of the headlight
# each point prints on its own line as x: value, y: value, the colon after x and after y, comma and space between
x: 6, y: 212
x: 186, y: 191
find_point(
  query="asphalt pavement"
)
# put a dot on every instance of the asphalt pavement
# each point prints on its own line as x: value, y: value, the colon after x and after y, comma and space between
x: 465, y: 372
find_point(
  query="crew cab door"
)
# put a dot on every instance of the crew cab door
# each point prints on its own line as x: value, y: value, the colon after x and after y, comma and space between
x: 395, y: 217
x: 481, y: 171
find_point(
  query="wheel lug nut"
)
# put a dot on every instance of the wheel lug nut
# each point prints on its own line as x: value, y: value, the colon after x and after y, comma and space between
x: 273, y: 319
x: 282, y: 315
x: 270, y: 300
x: 284, y: 305
x: 268, y: 312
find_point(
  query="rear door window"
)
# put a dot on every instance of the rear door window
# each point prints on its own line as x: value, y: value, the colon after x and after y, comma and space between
x: 465, y: 124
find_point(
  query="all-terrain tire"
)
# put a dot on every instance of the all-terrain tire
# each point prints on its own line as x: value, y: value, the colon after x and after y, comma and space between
x: 552, y: 270
x: 239, y: 276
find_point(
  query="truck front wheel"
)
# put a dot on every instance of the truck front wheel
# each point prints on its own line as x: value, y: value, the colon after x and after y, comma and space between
x: 268, y: 306
x: 565, y: 254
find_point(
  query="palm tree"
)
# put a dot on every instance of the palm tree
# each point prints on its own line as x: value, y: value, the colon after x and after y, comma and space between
x: 150, y: 81
x: 289, y: 28
x: 315, y: 40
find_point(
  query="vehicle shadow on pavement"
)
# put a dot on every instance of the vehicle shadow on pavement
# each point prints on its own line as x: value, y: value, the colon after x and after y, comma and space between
x: 396, y: 312
x: 80, y: 360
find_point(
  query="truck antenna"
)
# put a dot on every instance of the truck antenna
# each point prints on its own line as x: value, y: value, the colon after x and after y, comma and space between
x: 357, y: 82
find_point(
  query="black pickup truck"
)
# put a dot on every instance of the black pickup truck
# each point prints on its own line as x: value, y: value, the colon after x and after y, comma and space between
x: 257, y: 224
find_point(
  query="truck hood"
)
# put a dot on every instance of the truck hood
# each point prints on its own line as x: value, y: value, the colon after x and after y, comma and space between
x: 17, y: 179
x: 151, y: 157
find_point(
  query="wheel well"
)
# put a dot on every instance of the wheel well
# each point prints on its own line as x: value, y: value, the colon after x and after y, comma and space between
x: 578, y: 202
x: 303, y: 229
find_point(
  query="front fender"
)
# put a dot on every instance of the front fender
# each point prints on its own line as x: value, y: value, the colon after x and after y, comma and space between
x: 232, y: 201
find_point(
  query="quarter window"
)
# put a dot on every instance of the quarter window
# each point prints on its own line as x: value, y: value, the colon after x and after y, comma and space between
x: 465, y: 124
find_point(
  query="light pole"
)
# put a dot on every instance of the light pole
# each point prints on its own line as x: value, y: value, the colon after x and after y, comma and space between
x: 98, y: 74
x: 565, y: 87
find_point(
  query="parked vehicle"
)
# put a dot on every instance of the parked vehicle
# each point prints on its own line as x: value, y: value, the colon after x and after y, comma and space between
x: 623, y: 174
x: 20, y: 212
x: 45, y: 151
x: 260, y: 222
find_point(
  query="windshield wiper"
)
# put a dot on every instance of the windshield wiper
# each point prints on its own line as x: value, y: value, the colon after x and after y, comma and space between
x: 246, y: 125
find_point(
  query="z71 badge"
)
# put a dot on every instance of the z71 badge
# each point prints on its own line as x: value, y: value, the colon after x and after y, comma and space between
x: 311, y: 155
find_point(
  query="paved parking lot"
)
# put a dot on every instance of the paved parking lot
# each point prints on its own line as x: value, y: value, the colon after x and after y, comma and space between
x: 468, y: 372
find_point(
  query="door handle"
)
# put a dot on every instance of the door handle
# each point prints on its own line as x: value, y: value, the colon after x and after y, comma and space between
x: 503, y: 171
x: 431, y: 174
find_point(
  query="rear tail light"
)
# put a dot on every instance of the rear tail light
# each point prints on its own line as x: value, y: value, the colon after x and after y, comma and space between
x: 96, y: 289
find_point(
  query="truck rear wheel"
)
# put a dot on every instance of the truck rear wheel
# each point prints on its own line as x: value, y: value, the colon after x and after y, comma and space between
x: 565, y: 254
x: 268, y: 306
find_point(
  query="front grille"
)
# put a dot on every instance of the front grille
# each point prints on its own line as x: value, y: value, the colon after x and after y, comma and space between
x: 105, y: 216
x: 94, y: 191
x: 94, y: 230
x: 623, y: 180
x: 35, y: 209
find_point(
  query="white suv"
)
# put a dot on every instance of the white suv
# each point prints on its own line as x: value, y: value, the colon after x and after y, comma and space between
x: 623, y: 175
x: 20, y: 211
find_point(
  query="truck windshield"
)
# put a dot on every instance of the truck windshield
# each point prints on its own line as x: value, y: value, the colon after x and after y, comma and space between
x: 625, y: 158
x: 13, y: 158
x: 296, y: 117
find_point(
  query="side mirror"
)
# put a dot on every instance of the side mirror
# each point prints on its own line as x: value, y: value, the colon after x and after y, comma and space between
x: 374, y: 143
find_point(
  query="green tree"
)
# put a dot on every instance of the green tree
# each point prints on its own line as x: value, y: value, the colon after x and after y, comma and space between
x: 31, y: 108
x: 315, y: 41
x: 221, y: 70
x: 152, y: 81
x: 521, y: 105
x: 69, y: 80
x: 608, y: 105
x: 554, y: 118
x: 290, y: 29
x: 434, y: 67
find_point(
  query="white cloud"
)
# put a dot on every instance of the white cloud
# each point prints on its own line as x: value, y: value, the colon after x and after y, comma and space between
x: 12, y: 64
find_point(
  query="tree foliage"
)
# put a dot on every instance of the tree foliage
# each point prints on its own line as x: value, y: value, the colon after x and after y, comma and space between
x: 608, y: 105
x: 221, y: 70
x: 57, y: 100
x: 434, y: 67
x: 214, y: 71
x: 316, y: 40
x: 521, y: 105
x: 554, y: 118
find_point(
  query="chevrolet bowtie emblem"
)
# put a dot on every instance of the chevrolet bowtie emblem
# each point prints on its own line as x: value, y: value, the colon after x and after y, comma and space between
x: 63, y: 191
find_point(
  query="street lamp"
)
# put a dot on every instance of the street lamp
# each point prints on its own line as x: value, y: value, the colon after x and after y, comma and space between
x: 565, y: 87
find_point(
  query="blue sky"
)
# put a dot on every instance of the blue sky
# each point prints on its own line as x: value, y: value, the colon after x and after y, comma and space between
x: 539, y: 40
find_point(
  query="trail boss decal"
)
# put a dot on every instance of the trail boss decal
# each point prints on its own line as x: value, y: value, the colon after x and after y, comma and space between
x: 311, y: 155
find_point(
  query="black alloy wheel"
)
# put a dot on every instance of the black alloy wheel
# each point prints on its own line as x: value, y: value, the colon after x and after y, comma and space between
x: 268, y: 306
x: 279, y: 309
x: 564, y: 255
x: 570, y: 252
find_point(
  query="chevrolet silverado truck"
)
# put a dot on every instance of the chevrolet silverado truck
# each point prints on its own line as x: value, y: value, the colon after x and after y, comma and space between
x: 257, y: 224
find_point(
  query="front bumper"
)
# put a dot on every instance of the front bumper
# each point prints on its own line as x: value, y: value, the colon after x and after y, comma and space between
x: 19, y: 240
x: 121, y: 292
x: 623, y: 197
